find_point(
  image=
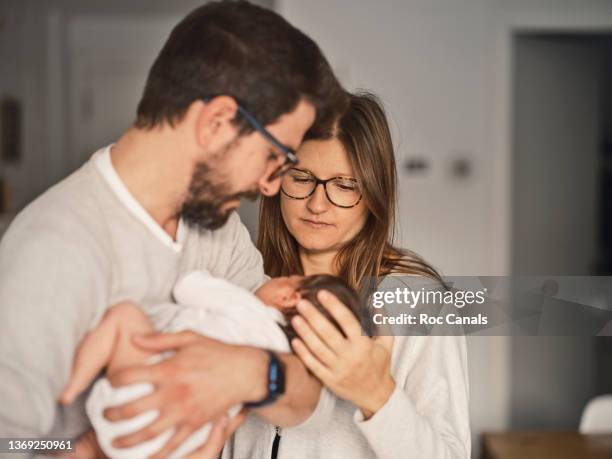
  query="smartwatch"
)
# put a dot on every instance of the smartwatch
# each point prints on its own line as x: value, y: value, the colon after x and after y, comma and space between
x: 276, y: 382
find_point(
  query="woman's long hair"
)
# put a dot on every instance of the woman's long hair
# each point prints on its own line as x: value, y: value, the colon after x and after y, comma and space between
x: 364, y: 133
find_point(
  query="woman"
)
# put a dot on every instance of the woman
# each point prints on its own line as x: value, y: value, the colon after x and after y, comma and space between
x: 383, y: 397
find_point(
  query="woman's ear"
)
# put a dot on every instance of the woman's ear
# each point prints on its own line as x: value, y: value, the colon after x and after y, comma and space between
x: 214, y: 122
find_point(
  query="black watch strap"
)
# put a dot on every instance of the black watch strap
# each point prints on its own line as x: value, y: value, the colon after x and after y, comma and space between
x: 276, y: 382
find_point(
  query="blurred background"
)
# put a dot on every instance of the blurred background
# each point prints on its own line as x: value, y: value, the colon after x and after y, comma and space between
x: 501, y: 112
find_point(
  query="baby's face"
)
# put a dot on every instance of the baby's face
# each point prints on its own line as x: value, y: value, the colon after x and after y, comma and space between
x: 280, y: 292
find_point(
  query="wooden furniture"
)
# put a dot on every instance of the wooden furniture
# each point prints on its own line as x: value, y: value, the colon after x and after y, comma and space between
x: 546, y: 445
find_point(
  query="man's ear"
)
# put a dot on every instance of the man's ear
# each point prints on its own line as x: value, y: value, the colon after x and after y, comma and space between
x: 214, y: 126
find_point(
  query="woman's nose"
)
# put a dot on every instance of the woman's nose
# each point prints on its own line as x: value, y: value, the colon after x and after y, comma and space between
x: 317, y: 202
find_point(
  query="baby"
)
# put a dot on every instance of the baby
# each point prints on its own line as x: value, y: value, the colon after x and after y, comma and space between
x: 207, y: 305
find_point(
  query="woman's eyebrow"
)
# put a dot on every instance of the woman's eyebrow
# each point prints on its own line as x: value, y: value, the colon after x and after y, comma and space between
x: 345, y: 175
x: 302, y: 169
x: 338, y: 174
x: 348, y: 176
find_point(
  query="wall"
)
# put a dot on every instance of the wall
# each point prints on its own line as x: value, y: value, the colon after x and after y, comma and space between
x: 22, y: 58
x: 443, y: 69
x: 426, y: 61
x: 36, y: 55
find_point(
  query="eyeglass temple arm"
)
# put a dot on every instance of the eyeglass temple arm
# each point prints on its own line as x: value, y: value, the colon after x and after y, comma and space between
x: 257, y: 125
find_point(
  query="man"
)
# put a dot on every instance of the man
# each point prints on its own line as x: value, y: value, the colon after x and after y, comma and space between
x: 226, y: 103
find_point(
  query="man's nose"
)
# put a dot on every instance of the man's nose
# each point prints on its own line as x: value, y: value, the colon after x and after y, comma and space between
x: 317, y: 202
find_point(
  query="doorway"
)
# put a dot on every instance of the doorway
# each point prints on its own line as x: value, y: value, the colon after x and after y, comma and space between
x: 561, y: 211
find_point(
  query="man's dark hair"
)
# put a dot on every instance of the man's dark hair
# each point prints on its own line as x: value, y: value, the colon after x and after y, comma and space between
x: 311, y: 285
x: 243, y: 51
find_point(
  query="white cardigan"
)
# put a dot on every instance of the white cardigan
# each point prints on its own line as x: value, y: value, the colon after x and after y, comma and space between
x: 426, y: 417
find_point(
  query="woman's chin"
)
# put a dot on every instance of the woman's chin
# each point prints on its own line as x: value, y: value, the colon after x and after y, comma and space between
x: 316, y: 245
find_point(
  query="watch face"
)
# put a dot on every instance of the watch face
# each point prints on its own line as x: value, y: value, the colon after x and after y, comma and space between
x: 276, y: 382
x: 280, y: 382
x: 276, y: 377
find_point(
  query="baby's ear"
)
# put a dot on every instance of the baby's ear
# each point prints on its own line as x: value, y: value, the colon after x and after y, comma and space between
x: 289, y: 299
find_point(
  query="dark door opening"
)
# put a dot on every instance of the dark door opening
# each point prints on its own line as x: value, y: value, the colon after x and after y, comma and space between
x: 562, y: 211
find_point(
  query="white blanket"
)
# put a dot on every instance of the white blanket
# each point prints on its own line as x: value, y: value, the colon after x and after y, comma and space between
x: 209, y: 306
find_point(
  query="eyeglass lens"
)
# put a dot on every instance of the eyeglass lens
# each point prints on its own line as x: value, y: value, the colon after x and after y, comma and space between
x: 342, y: 192
x: 281, y: 170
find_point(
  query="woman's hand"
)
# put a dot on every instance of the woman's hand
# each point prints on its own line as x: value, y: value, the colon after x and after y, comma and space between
x: 356, y: 368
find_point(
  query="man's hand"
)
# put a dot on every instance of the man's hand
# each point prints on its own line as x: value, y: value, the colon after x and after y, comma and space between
x: 221, y: 431
x: 86, y: 447
x: 196, y: 385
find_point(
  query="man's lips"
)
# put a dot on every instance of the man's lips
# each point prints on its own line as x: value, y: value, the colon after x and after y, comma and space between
x: 315, y: 223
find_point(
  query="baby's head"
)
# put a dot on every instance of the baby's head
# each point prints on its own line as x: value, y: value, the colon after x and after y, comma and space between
x: 283, y: 293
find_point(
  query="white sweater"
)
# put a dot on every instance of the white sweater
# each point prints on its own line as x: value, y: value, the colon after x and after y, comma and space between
x: 82, y: 246
x: 426, y: 417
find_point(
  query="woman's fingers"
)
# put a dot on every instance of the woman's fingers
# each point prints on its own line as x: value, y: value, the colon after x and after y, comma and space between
x: 325, y: 330
x: 319, y: 370
x: 341, y: 313
x: 312, y: 340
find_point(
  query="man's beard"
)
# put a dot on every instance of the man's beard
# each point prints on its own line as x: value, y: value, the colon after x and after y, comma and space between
x: 203, y: 207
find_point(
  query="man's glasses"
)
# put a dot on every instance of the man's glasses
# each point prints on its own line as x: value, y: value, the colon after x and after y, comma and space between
x: 291, y: 159
x: 340, y: 191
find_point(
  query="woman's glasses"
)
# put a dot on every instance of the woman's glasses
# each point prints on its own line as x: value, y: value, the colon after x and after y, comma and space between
x: 340, y: 191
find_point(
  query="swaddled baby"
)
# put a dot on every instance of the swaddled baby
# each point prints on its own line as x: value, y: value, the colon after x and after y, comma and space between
x: 207, y: 305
